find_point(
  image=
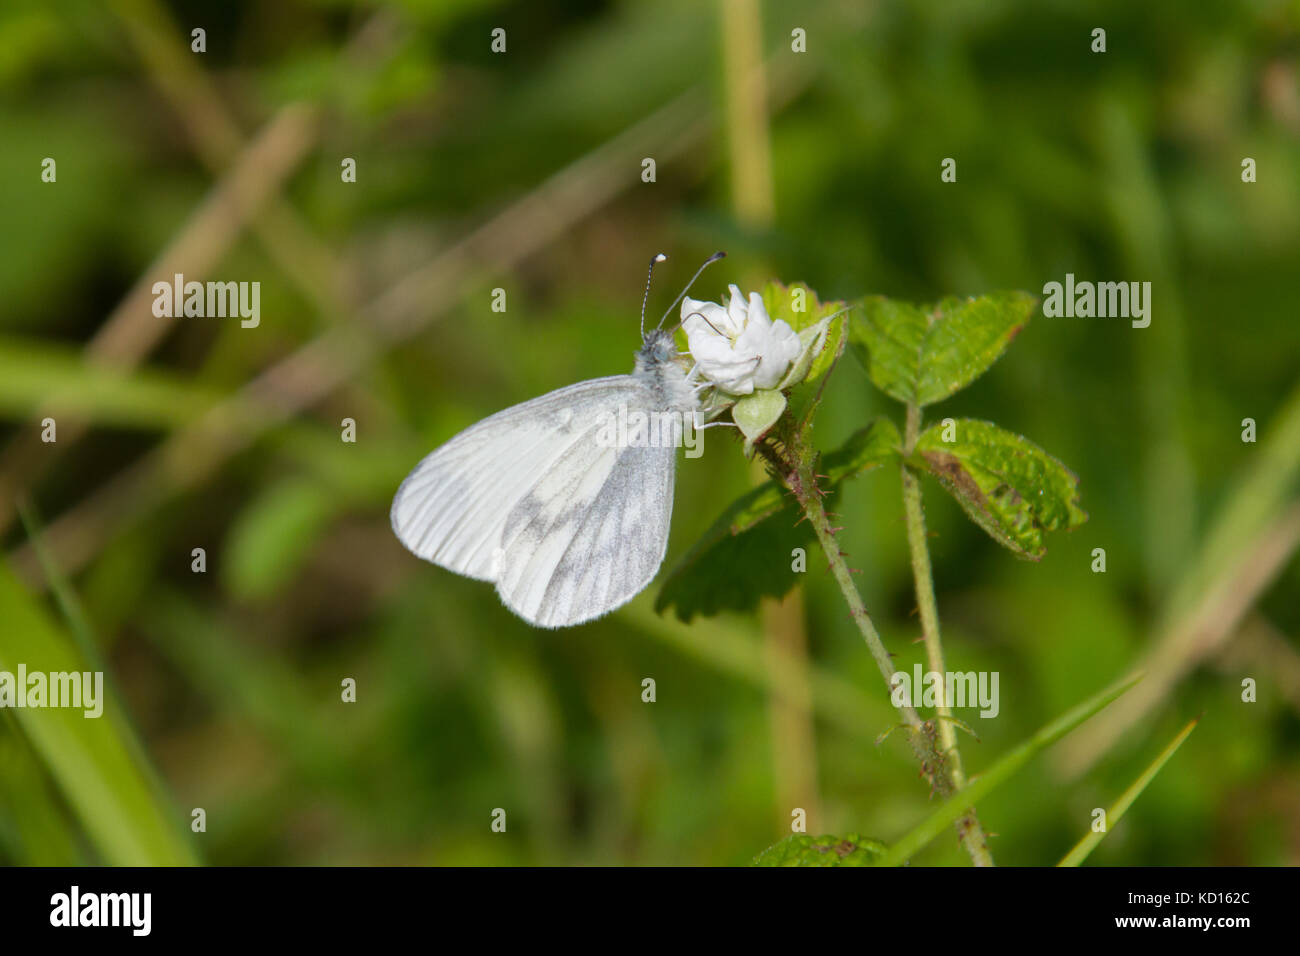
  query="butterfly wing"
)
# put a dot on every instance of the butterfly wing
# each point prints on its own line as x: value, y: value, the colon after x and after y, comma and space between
x: 452, y: 507
x: 590, y: 535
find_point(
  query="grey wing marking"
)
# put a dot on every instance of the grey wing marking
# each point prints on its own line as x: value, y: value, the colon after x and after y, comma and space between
x: 556, y: 577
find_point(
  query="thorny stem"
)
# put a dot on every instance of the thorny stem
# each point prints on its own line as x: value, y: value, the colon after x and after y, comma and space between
x: 968, y: 826
x: 802, y: 482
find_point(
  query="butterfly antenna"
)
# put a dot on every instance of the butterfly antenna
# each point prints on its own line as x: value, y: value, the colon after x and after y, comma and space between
x: 706, y: 322
x: 646, y: 298
x: 707, y: 262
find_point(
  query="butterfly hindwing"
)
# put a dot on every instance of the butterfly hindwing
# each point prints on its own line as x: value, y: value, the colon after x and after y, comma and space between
x: 595, y: 543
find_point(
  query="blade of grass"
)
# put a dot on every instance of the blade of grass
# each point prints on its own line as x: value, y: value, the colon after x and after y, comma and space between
x: 1000, y: 772
x: 95, y: 761
x: 61, y: 591
x: 56, y: 380
x: 1117, y: 810
x: 34, y: 825
x: 88, y: 644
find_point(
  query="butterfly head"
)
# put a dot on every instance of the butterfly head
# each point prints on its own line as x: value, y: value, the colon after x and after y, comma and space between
x: 657, y: 347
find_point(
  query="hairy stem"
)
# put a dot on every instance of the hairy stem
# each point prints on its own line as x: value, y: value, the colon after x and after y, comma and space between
x: 922, y: 734
x: 969, y: 824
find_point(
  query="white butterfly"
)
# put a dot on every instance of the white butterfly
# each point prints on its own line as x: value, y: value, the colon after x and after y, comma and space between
x: 567, y: 526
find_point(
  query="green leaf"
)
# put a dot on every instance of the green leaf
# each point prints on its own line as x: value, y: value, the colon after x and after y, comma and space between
x: 92, y: 759
x: 755, y: 414
x: 981, y: 786
x: 865, y: 449
x: 800, y: 849
x: 800, y: 307
x: 1009, y: 486
x: 1116, y: 811
x: 802, y: 310
x: 812, y: 345
x: 746, y: 553
x: 921, y: 355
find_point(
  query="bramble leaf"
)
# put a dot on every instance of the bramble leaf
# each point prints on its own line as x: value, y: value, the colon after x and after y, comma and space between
x: 742, y: 557
x: 800, y: 849
x: 865, y: 449
x: 822, y: 325
x: 812, y: 343
x: 799, y: 306
x: 746, y: 553
x: 1008, y: 485
x: 924, y: 354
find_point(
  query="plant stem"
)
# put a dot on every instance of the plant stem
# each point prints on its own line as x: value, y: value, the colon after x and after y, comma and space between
x: 925, y: 599
x: 922, y: 733
x: 927, y: 604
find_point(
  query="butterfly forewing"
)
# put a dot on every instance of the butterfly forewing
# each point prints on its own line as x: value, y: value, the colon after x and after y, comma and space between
x: 452, y: 508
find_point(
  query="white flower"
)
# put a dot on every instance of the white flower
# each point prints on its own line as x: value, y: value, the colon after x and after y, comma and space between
x: 737, y: 347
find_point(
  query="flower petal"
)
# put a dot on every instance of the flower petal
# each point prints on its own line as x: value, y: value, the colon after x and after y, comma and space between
x: 758, y: 311
x: 736, y: 310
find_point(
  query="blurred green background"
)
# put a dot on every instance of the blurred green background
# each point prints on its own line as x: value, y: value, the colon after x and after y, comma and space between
x: 523, y: 171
